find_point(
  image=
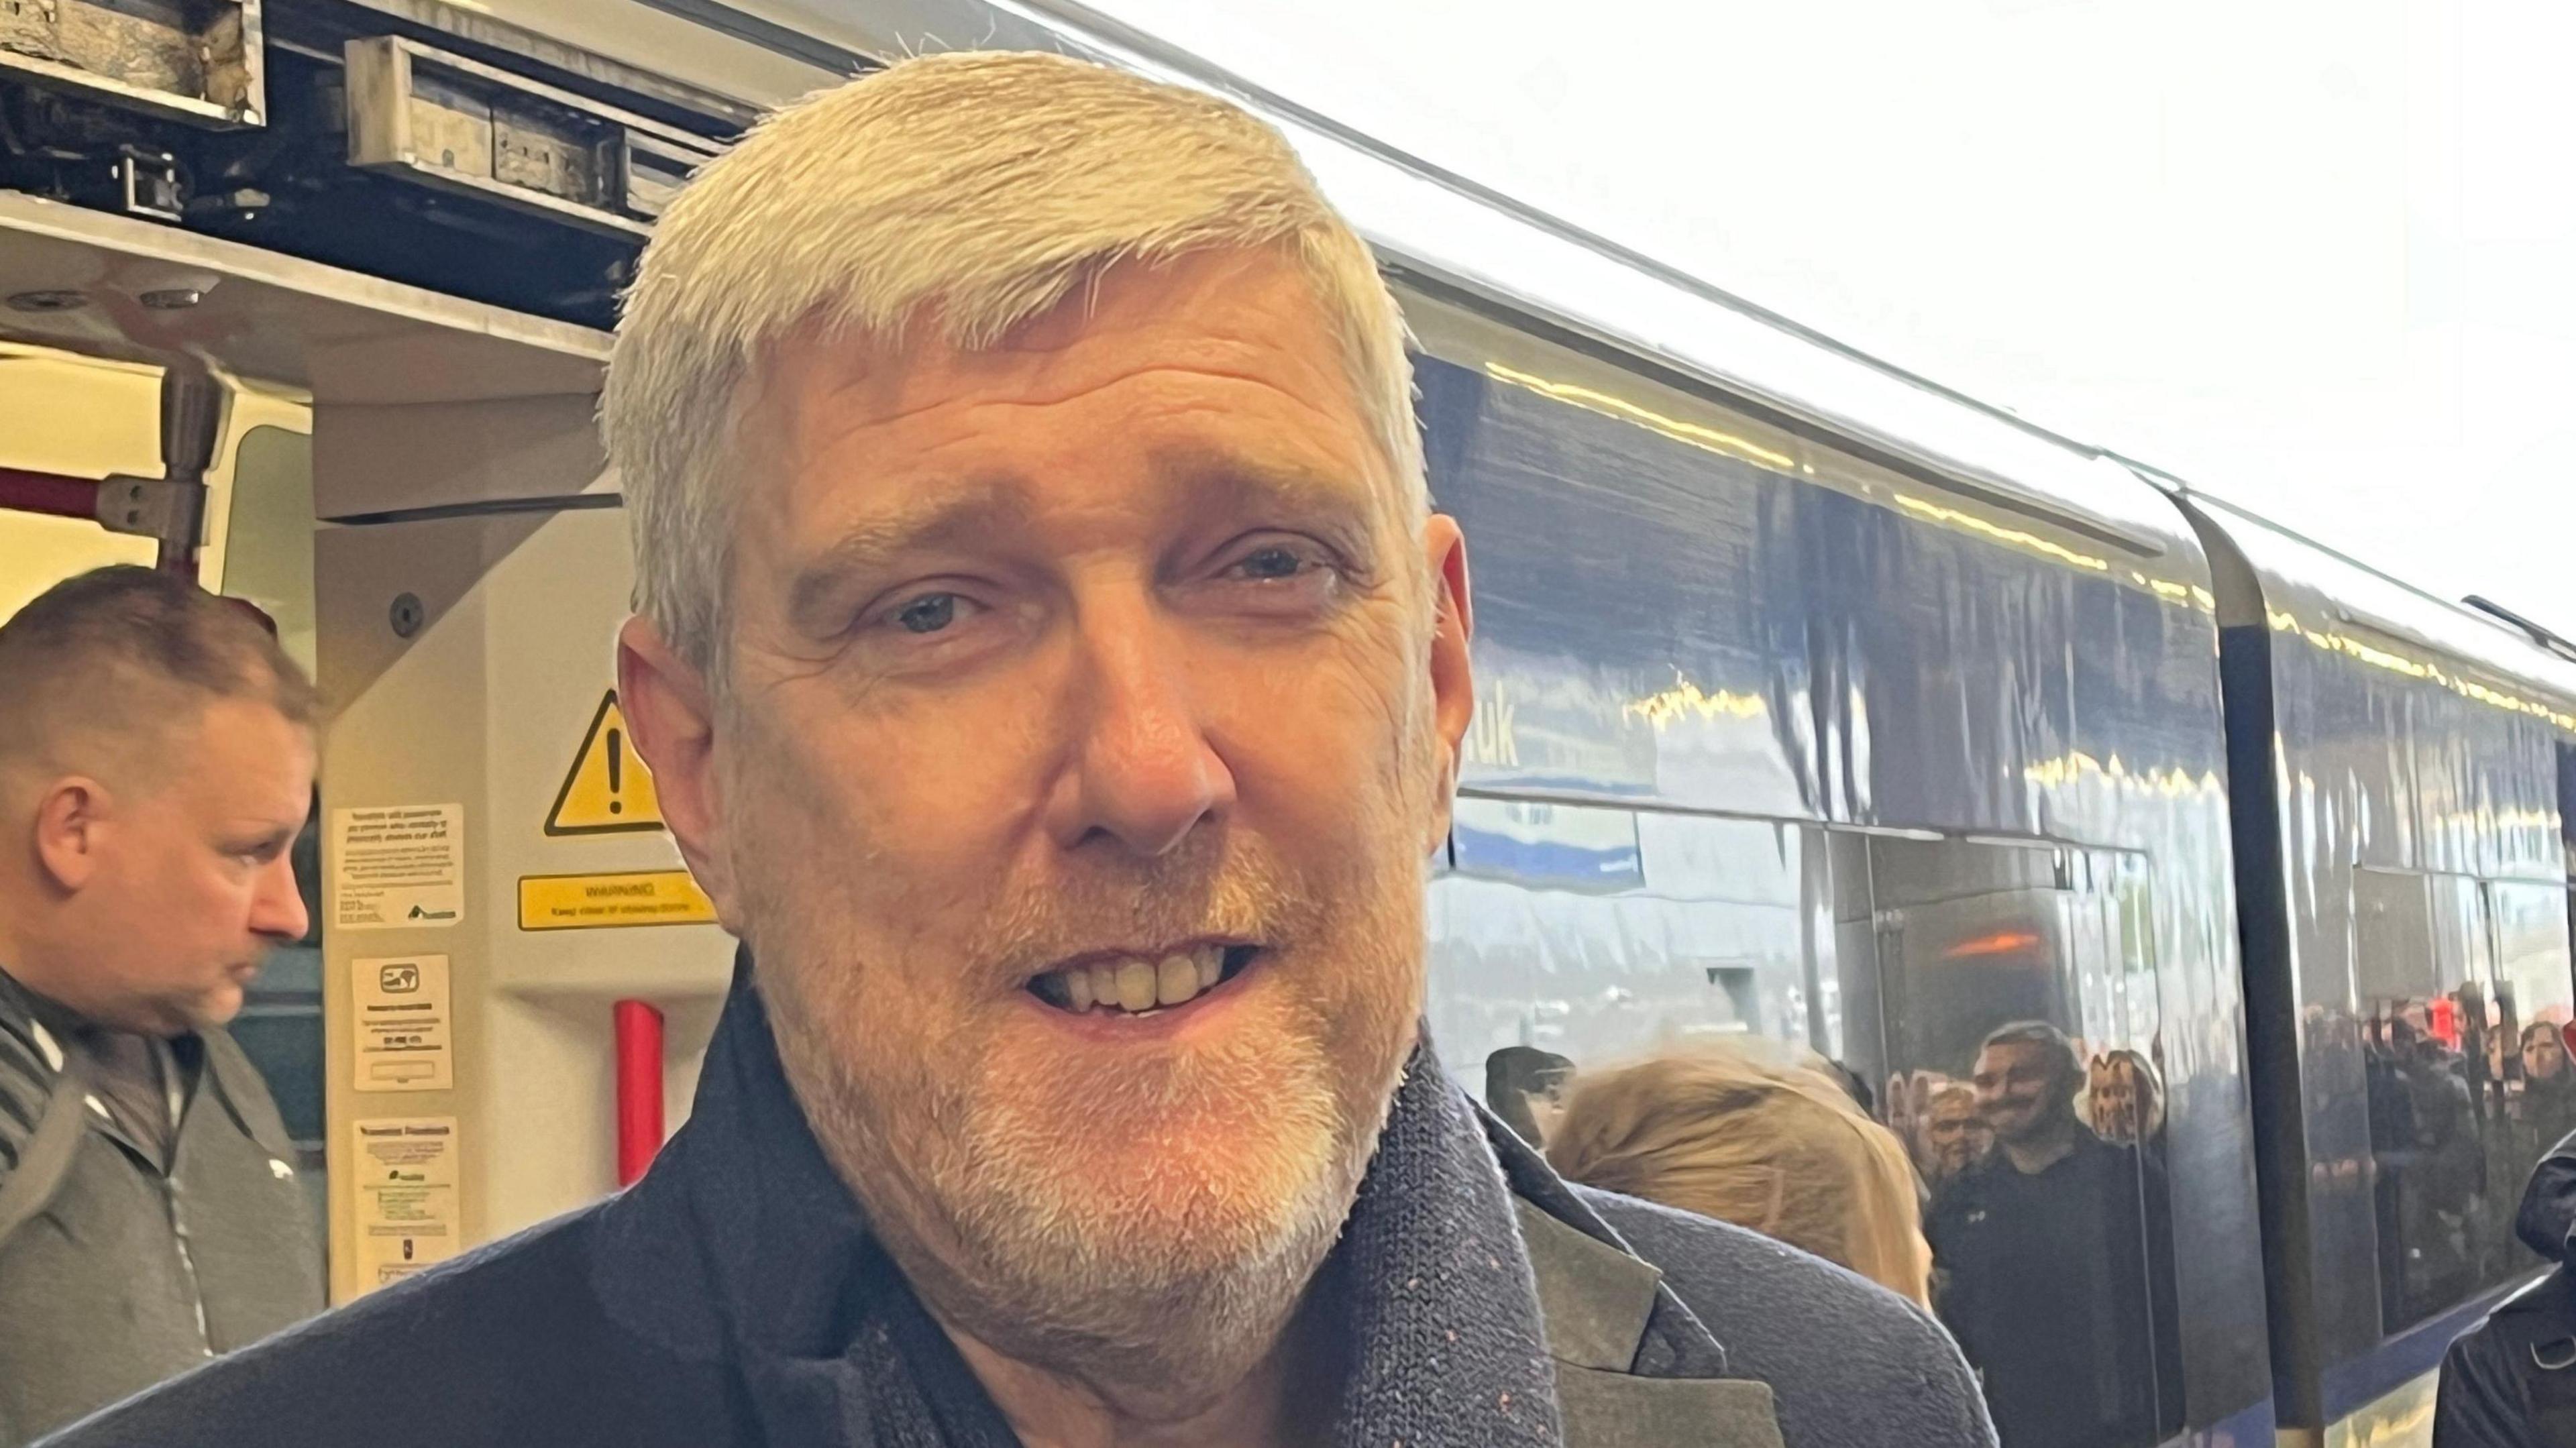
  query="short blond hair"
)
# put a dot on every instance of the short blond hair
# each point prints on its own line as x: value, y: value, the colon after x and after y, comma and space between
x: 1771, y: 1145
x: 967, y: 193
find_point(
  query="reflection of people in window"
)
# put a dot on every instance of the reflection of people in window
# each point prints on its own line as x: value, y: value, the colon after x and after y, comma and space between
x: 2056, y: 1258
x: 1756, y: 1138
x: 1909, y: 1114
x: 2548, y: 1082
x: 1900, y: 1108
x: 2440, y: 1199
x: 1956, y: 1133
x: 2128, y: 1106
x: 1525, y: 1086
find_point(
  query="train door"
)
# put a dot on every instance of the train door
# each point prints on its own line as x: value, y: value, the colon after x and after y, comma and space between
x: 450, y: 561
x: 2025, y: 1064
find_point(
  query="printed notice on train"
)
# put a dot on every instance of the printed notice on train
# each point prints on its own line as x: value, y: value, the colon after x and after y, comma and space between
x: 398, y: 867
x: 402, y: 1035
x: 596, y: 902
x: 406, y: 1196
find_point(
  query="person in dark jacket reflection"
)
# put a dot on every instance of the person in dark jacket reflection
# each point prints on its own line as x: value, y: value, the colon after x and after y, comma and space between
x: 2055, y: 1256
x: 2510, y: 1382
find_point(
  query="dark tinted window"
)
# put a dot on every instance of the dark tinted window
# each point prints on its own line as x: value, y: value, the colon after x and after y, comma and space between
x: 2464, y: 983
x: 1570, y: 937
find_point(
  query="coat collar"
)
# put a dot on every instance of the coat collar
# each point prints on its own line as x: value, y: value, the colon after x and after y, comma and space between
x: 60, y: 1040
x: 1489, y: 1304
x: 1634, y: 1365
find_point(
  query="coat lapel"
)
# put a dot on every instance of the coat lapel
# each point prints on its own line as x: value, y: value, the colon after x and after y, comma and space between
x: 1488, y: 1307
x: 1598, y: 1303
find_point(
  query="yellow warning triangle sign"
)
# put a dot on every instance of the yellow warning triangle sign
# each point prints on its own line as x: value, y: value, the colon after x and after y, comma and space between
x: 608, y: 791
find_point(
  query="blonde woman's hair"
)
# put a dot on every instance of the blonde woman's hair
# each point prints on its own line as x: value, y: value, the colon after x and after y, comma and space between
x: 959, y: 195
x: 1767, y: 1144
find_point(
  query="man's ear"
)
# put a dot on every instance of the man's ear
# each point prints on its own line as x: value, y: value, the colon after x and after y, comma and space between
x: 671, y: 712
x: 1453, y: 678
x: 75, y: 815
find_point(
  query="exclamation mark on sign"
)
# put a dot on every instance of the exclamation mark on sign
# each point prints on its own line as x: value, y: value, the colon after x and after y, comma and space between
x: 616, y: 771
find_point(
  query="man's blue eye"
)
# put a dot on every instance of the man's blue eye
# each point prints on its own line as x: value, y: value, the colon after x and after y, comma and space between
x: 928, y: 614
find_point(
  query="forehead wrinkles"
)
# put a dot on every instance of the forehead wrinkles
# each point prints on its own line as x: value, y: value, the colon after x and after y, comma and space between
x: 1294, y: 348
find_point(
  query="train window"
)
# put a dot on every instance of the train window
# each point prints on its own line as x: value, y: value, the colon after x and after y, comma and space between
x: 1994, y: 1003
x: 2019, y: 988
x: 2464, y: 983
x: 2424, y: 1150
x: 2530, y: 1098
x: 1594, y: 934
x: 268, y: 529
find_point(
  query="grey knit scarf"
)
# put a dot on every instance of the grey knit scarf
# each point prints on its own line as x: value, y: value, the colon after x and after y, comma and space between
x: 1445, y: 1348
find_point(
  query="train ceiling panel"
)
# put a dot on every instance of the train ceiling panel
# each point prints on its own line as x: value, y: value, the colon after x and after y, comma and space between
x: 113, y: 286
x: 442, y: 120
x: 192, y: 60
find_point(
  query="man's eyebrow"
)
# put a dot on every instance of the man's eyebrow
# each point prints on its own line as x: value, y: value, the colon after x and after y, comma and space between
x: 877, y: 542
x: 263, y: 837
x: 1224, y: 477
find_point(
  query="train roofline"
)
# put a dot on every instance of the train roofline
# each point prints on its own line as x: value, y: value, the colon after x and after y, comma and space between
x: 2287, y: 564
x: 1430, y: 225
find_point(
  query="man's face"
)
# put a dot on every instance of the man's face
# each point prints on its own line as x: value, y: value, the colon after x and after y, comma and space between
x: 1547, y: 1107
x: 2542, y: 1057
x: 2019, y: 1089
x: 1960, y: 1136
x: 191, y: 883
x: 1095, y: 662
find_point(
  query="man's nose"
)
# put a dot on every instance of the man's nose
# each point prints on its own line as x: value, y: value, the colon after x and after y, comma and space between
x: 1141, y: 771
x: 277, y: 908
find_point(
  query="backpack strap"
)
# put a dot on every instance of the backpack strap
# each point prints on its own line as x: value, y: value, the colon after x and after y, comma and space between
x: 44, y: 1156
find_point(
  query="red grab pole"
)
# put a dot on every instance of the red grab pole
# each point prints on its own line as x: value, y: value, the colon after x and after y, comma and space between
x: 49, y: 493
x: 639, y: 1089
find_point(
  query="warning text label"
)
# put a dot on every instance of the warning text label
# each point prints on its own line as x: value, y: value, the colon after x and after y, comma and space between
x: 591, y: 902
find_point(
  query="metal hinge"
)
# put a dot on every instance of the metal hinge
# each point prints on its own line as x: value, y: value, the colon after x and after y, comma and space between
x: 162, y: 508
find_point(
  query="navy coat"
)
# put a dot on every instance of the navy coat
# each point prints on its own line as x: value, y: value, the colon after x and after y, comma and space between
x: 712, y: 1306
x: 2510, y: 1382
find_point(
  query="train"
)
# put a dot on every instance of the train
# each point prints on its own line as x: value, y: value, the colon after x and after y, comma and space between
x: 1816, y: 703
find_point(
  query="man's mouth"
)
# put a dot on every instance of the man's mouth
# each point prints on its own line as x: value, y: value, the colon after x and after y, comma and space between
x: 1142, y: 984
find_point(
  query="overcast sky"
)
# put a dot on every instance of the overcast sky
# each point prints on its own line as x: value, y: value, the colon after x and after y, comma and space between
x: 2315, y: 257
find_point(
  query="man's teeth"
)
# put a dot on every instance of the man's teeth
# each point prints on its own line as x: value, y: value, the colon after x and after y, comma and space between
x: 1135, y: 984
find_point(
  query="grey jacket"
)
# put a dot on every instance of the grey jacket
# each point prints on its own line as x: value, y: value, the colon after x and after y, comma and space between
x: 114, y: 1276
x: 734, y: 1298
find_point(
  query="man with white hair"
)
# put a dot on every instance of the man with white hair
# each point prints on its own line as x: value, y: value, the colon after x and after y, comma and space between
x: 1051, y: 666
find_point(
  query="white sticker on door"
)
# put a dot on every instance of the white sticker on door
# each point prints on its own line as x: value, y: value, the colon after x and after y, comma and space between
x: 406, y: 1191
x: 398, y: 867
x: 402, y: 1033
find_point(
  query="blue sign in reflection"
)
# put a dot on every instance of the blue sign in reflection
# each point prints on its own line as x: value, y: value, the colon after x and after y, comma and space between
x: 1550, y: 846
